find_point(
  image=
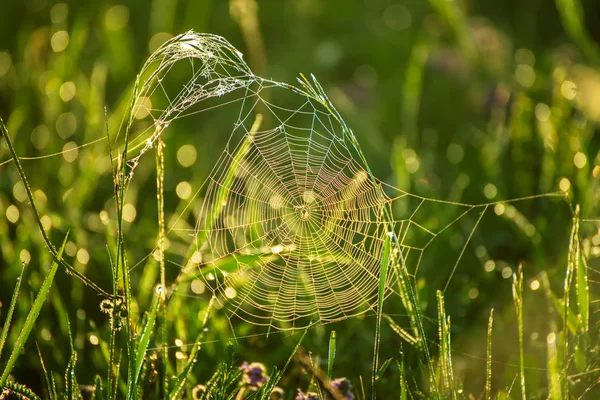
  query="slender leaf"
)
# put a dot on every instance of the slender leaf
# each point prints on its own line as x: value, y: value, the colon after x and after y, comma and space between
x: 11, y: 309
x: 33, y: 315
x: 331, y: 356
x: 140, y: 354
x: 385, y: 261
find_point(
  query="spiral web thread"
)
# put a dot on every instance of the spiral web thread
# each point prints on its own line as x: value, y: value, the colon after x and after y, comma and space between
x: 292, y: 222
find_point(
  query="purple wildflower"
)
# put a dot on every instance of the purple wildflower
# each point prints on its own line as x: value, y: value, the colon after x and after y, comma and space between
x: 254, y: 374
x: 343, y: 386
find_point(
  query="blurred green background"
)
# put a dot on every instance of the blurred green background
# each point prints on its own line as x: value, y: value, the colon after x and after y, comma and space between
x: 468, y: 101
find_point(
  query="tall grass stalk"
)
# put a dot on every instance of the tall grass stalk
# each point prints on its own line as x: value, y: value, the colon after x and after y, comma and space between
x: 160, y: 196
x: 488, y: 364
x: 445, y: 348
x: 385, y: 262
x: 572, y: 268
x: 517, y: 291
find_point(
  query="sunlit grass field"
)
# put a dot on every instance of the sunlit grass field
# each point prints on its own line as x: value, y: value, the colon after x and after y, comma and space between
x: 435, y: 166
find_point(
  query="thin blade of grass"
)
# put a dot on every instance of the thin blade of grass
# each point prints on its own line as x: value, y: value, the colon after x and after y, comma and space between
x: 578, y: 266
x: 160, y: 196
x: 36, y: 214
x: 488, y: 375
x: 517, y: 291
x: 33, y: 314
x: 230, y: 175
x: 403, y: 388
x: 71, y: 386
x: 384, y: 367
x: 401, y: 332
x: 178, y: 387
x: 554, y: 373
x: 145, y: 336
x: 572, y: 267
x: 331, y: 355
x: 445, y: 347
x: 573, y: 20
x: 385, y: 262
x: 50, y: 386
x: 11, y: 309
x: 268, y: 387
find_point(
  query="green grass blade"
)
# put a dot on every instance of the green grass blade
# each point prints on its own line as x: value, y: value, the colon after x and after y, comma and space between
x: 71, y: 386
x: 267, y: 388
x: 230, y: 175
x: 488, y: 375
x: 554, y: 373
x: 445, y: 347
x: 403, y: 384
x: 11, y: 309
x: 385, y: 262
x: 578, y: 266
x: 517, y: 290
x: 179, y: 386
x: 583, y: 294
x: 572, y: 267
x: 33, y: 314
x: 36, y: 214
x: 331, y: 355
x: 98, y: 389
x: 140, y: 354
x: 573, y: 20
x: 48, y: 380
x: 401, y: 332
x: 383, y: 368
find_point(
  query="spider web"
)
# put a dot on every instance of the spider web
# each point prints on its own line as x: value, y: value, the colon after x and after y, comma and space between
x: 292, y: 222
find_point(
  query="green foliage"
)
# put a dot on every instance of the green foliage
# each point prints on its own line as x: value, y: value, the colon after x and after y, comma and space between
x: 473, y: 103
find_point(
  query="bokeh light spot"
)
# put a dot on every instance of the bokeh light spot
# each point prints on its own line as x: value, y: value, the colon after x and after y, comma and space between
x: 490, y: 191
x: 525, y: 75
x: 67, y: 91
x: 186, y: 155
x: 19, y: 192
x: 12, y: 213
x: 59, y: 41
x: 59, y: 13
x: 116, y: 18
x: 580, y: 160
x: 198, y: 286
x: 66, y: 124
x: 569, y: 90
x: 564, y: 184
x: 70, y: 152
x: 455, y: 153
x: 40, y: 137
x: 83, y: 256
x: 397, y: 17
x: 129, y: 212
x: 25, y: 256
x: 183, y: 190
x: 5, y: 63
